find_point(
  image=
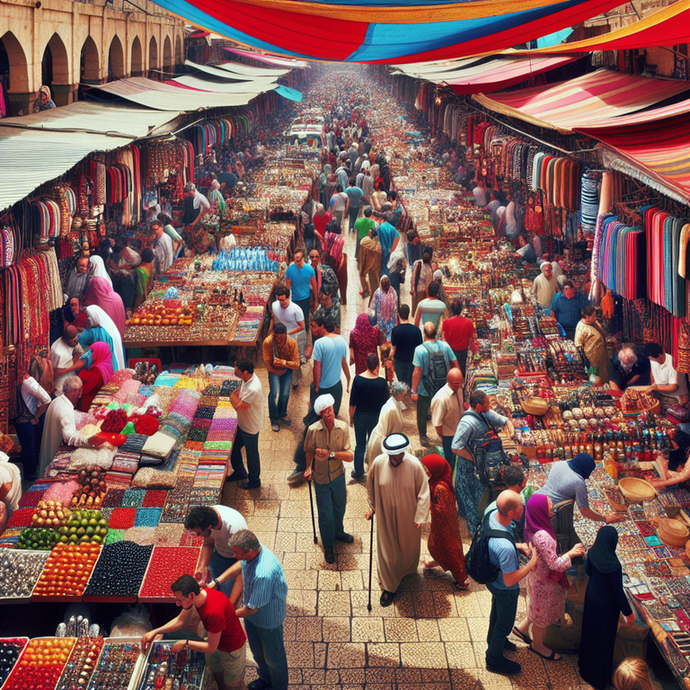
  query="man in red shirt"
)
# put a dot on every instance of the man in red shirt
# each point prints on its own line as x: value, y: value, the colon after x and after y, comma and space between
x: 457, y: 332
x: 225, y: 647
x: 321, y: 219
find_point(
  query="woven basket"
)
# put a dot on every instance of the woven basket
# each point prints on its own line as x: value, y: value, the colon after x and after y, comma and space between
x: 673, y: 533
x: 636, y: 490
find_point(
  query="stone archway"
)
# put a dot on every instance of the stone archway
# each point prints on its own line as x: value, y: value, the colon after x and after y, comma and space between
x: 137, y: 64
x: 55, y: 70
x: 15, y: 74
x: 116, y: 60
x: 153, y: 53
x: 167, y: 54
x: 89, y: 63
x: 179, y: 58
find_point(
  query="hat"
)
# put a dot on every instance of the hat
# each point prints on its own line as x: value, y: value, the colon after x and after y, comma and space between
x: 366, y: 165
x: 396, y: 444
x: 322, y: 402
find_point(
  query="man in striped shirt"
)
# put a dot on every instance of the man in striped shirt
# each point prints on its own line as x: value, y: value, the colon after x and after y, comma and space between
x: 260, y: 577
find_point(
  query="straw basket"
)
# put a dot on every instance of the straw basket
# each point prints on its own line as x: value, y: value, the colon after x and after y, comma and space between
x: 636, y: 490
x: 673, y: 533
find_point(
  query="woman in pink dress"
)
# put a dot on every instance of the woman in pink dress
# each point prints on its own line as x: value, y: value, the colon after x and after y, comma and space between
x: 547, y: 582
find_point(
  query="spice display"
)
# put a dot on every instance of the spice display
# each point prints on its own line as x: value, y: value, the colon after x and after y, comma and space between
x: 119, y: 571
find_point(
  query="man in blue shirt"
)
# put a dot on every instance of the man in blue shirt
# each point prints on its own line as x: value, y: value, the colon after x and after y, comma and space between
x: 260, y: 578
x: 301, y: 279
x: 505, y: 589
x: 567, y: 307
x: 330, y: 357
x: 388, y: 237
x: 354, y: 194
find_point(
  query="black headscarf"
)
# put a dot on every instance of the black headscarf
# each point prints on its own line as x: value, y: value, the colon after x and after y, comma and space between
x: 602, y: 555
x: 583, y: 464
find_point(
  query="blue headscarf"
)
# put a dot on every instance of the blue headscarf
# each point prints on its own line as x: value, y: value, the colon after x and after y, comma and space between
x: 583, y: 464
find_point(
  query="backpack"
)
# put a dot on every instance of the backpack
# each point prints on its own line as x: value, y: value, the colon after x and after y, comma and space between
x: 435, y: 372
x: 488, y: 454
x: 477, y: 559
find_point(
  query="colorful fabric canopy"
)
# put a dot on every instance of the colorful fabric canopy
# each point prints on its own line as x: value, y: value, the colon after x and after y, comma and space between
x: 269, y: 59
x: 494, y: 75
x: 392, y: 31
x: 669, y: 26
x: 578, y: 102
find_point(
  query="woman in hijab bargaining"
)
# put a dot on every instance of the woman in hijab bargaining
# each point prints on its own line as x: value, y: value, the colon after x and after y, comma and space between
x: 94, y: 368
x: 384, y: 304
x: 364, y: 339
x: 390, y: 421
x: 445, y: 543
x: 673, y: 464
x: 605, y: 601
x: 566, y: 482
x: 100, y: 328
x: 97, y: 269
x: 100, y: 293
x: 547, y: 582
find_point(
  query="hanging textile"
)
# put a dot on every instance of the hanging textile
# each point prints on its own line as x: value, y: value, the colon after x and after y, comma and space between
x: 589, y: 201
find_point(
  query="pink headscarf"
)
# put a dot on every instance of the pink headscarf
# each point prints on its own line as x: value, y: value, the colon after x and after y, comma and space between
x: 102, y: 359
x: 100, y: 293
x: 537, y: 517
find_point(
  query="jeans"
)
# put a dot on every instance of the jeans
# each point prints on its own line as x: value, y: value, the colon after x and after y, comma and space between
x: 268, y: 650
x: 330, y: 502
x: 423, y: 405
x: 403, y: 370
x: 353, y: 218
x: 450, y: 457
x: 279, y: 387
x: 217, y: 566
x: 336, y: 391
x: 503, y: 609
x: 364, y: 425
x: 461, y: 356
x: 251, y: 443
x: 304, y: 305
x: 468, y: 493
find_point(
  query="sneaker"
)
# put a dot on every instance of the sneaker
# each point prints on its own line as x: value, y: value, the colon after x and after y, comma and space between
x: 345, y: 538
x: 424, y: 441
x: 286, y: 420
x: 297, y: 474
x: 275, y: 426
x: 329, y: 554
x: 505, y: 668
x: 237, y: 476
x: 249, y: 485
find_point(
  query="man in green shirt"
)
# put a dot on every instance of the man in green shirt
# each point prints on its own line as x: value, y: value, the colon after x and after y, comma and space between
x: 362, y: 226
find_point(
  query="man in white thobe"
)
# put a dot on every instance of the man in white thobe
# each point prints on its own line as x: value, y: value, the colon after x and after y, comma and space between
x: 64, y: 352
x: 60, y: 425
x: 398, y: 491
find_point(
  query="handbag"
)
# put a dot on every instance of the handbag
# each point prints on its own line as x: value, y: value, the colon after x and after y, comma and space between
x: 560, y: 578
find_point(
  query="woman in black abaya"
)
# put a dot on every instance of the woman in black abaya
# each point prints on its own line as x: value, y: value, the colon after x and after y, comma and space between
x: 604, y: 602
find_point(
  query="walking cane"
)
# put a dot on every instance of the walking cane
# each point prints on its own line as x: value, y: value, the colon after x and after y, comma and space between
x: 371, y: 558
x: 311, y: 505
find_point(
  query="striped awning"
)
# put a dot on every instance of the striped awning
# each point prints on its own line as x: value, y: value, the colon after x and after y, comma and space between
x: 486, y: 77
x: 269, y: 59
x: 384, y: 31
x: 601, y: 95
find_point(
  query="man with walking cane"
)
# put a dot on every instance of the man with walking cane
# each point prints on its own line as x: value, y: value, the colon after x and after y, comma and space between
x: 327, y: 447
x: 398, y: 491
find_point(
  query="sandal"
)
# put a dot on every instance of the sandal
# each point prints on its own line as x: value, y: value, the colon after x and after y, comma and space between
x: 523, y: 636
x: 462, y: 586
x: 551, y: 657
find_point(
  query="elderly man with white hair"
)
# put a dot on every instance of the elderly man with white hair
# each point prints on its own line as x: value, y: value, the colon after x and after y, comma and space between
x: 60, y: 425
x: 327, y: 447
x: 398, y: 490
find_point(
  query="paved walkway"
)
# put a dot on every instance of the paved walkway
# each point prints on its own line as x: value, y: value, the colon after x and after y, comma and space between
x: 432, y: 634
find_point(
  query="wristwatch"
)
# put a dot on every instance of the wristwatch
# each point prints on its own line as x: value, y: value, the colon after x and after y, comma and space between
x: 216, y: 582
x: 332, y: 455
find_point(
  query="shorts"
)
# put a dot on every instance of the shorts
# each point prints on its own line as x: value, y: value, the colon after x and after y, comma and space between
x: 230, y: 664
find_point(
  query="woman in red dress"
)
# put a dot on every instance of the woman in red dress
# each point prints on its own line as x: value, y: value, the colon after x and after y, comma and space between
x: 445, y: 544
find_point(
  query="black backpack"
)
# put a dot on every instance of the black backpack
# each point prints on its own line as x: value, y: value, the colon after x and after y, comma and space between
x: 435, y: 373
x: 489, y: 456
x: 477, y: 560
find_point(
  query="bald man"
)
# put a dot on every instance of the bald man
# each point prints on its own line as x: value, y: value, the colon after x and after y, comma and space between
x: 64, y: 352
x: 446, y: 410
x: 505, y: 589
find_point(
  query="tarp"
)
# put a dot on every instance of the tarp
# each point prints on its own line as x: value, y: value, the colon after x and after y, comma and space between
x: 493, y: 75
x: 658, y: 145
x: 37, y: 148
x: 269, y: 59
x: 215, y: 71
x: 667, y: 27
x: 237, y: 70
x: 384, y: 31
x: 666, y: 111
x: 189, y: 82
x: 576, y: 103
x: 153, y: 94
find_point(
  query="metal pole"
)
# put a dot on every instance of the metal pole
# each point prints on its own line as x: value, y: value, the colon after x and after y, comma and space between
x: 311, y: 505
x: 371, y: 558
